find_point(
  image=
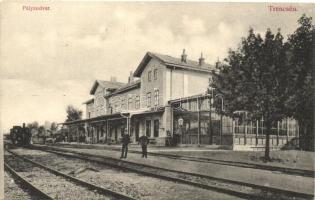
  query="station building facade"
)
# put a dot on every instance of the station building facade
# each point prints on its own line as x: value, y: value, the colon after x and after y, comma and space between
x: 166, y: 98
x: 141, y: 106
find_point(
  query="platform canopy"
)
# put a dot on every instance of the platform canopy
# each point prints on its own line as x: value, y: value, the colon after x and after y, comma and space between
x: 98, y: 118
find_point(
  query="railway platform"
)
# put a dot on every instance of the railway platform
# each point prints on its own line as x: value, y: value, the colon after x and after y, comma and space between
x: 284, y: 159
x: 153, y: 148
x: 237, y: 173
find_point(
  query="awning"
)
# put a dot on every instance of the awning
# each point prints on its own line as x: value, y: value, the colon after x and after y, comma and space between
x: 146, y: 112
x: 98, y: 118
x: 114, y: 116
x: 189, y: 98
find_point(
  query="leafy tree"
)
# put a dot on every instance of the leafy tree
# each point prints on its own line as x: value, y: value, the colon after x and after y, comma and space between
x: 41, y: 131
x: 252, y: 80
x: 301, y: 89
x: 33, y: 125
x: 54, y: 127
x: 73, y: 113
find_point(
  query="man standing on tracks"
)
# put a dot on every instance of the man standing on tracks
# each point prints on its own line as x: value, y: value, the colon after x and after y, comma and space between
x: 144, y: 141
x: 125, y: 142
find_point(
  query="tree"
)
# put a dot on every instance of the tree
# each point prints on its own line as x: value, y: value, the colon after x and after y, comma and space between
x: 253, y: 80
x: 73, y: 113
x: 53, y: 128
x: 41, y: 131
x: 34, y: 125
x: 300, y: 105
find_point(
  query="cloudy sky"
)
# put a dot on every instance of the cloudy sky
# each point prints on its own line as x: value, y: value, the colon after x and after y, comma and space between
x: 49, y: 59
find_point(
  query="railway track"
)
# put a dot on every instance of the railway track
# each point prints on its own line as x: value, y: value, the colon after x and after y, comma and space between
x: 284, y: 170
x: 289, y: 171
x: 34, y: 191
x: 52, y: 184
x: 235, y: 188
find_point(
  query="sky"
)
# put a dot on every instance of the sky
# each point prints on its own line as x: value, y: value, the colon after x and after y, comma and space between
x: 50, y: 59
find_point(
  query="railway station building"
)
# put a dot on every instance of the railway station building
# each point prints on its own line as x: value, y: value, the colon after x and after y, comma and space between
x: 165, y: 98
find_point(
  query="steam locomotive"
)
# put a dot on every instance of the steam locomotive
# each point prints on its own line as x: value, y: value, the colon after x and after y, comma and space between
x: 20, y: 136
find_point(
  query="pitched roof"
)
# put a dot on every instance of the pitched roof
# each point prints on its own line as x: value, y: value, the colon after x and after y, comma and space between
x: 126, y: 87
x: 172, y: 61
x: 105, y: 84
x: 88, y: 101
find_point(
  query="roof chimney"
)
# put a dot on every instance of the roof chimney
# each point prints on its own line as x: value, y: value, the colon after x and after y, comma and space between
x: 201, y: 60
x: 184, y: 56
x: 113, y: 79
x: 130, y: 78
x: 218, y: 63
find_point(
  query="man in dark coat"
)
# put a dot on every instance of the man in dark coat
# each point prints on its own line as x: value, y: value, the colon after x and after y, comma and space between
x: 125, y: 141
x: 144, y: 141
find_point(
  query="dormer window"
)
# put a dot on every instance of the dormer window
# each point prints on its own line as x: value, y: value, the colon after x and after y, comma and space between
x: 149, y: 76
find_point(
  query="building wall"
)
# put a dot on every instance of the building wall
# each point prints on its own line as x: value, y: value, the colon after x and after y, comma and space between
x: 170, y: 84
x: 90, y: 109
x: 150, y: 119
x: 196, y: 83
x: 153, y: 85
x: 120, y: 102
x: 99, y: 102
x: 116, y: 129
x: 182, y: 83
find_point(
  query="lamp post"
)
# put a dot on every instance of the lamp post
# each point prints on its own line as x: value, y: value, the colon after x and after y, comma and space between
x: 210, y: 120
x: 211, y: 100
x: 181, y: 123
x: 221, y: 116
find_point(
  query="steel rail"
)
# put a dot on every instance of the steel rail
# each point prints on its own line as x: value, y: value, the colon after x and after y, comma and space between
x: 119, y: 164
x: 27, y: 184
x: 285, y: 170
x: 91, y: 186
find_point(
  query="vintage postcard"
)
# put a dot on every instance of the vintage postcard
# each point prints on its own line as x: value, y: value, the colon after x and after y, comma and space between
x: 157, y: 100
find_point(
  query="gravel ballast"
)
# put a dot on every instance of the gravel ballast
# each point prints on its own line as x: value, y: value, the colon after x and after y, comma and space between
x: 55, y: 186
x: 13, y: 191
x: 131, y: 184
